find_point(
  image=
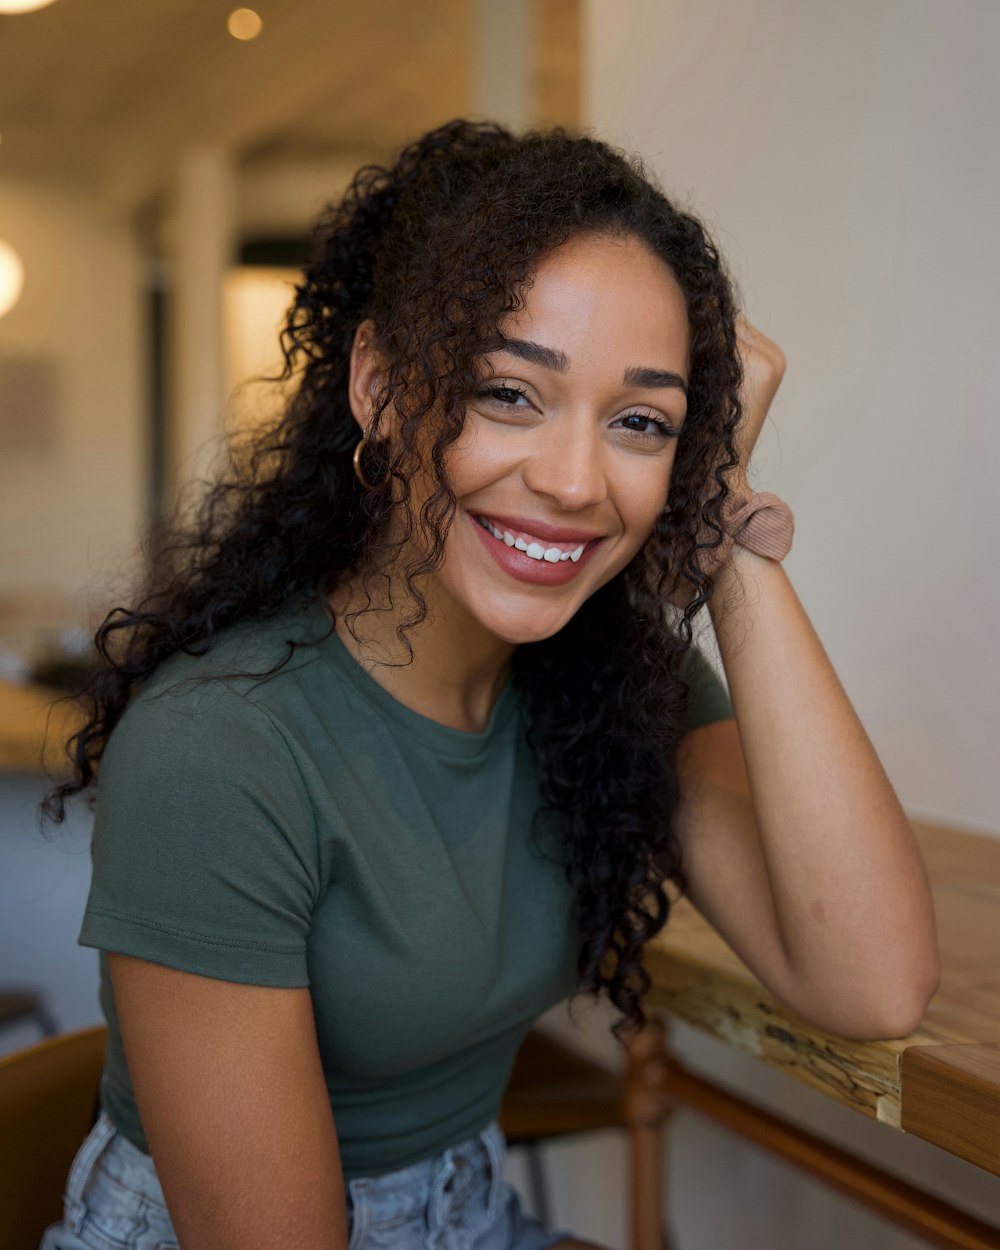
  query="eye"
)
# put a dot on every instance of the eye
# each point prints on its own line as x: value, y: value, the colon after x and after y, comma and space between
x: 647, y: 425
x: 503, y: 396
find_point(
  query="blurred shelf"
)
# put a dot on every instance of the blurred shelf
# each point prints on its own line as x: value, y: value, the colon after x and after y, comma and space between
x: 34, y: 727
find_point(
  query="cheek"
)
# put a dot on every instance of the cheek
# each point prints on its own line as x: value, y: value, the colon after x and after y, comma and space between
x: 466, y: 464
x: 480, y: 455
x: 643, y: 499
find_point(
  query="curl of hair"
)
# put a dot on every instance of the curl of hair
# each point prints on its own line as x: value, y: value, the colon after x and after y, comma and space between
x: 436, y: 250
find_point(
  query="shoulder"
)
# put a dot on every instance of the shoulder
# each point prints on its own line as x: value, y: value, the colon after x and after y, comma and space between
x: 241, y: 658
x: 221, y: 706
x: 200, y: 762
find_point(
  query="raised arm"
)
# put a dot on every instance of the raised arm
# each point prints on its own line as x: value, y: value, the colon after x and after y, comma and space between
x: 797, y: 847
x: 231, y: 1093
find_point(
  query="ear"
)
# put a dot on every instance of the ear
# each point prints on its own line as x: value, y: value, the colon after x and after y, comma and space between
x: 364, y: 377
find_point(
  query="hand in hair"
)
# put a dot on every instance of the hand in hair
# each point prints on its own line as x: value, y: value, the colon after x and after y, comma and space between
x: 763, y: 368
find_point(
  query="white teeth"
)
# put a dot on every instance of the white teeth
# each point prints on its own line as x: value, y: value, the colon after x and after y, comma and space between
x: 535, y: 550
x: 500, y: 535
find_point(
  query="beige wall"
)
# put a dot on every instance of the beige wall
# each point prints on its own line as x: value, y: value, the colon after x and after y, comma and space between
x: 845, y: 156
x: 842, y: 155
x: 69, y: 510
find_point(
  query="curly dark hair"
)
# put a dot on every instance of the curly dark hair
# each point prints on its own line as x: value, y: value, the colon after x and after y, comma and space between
x: 436, y: 251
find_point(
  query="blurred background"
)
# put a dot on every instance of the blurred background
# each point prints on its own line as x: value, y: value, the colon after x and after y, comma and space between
x: 159, y: 165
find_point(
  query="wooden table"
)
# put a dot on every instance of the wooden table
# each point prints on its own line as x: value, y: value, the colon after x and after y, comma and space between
x: 942, y: 1083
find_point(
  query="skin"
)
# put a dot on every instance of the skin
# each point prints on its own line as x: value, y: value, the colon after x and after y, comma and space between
x: 795, y: 844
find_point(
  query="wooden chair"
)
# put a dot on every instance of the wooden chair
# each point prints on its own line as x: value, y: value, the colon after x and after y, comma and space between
x: 48, y: 1100
x: 554, y: 1092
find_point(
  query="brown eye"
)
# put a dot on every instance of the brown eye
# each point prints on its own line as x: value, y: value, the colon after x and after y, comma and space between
x: 647, y: 425
x: 504, y: 395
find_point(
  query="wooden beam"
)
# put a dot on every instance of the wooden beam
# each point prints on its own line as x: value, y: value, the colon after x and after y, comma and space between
x: 557, y: 69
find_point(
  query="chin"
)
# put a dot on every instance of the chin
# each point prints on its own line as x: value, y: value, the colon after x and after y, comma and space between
x: 526, y: 627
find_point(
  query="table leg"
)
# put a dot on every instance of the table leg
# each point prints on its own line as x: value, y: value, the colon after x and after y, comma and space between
x: 646, y: 1112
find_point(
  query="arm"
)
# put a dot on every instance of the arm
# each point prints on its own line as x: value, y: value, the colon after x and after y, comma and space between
x: 798, y: 850
x: 234, y: 1105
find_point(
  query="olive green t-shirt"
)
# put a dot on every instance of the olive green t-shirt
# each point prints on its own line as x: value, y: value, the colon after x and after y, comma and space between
x: 310, y: 830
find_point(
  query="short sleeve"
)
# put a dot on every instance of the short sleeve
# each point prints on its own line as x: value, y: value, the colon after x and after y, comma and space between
x: 204, y: 847
x: 709, y: 700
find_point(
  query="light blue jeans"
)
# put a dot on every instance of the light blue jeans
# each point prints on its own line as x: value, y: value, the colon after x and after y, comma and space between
x: 456, y: 1200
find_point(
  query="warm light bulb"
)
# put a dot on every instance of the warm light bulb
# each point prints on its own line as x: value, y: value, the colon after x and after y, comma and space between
x: 244, y: 24
x: 11, y: 277
x: 23, y: 6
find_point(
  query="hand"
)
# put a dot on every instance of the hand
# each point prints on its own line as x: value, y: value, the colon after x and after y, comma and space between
x: 763, y: 368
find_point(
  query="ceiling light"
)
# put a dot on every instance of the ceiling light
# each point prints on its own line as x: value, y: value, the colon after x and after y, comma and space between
x: 11, y: 277
x: 242, y: 24
x: 23, y: 6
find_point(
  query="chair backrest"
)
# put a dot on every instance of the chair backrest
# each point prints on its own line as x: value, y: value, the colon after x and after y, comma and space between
x: 48, y: 1094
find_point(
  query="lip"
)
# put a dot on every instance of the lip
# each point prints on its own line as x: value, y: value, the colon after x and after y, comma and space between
x: 538, y: 529
x: 522, y: 567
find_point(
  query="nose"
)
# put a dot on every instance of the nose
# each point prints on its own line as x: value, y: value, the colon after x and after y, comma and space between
x: 568, y: 469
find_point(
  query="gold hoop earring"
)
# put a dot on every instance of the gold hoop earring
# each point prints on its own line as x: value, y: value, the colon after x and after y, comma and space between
x: 358, y: 471
x: 357, y: 463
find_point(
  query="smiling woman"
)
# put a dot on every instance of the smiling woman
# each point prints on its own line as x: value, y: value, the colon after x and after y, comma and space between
x: 563, y: 462
x: 405, y: 738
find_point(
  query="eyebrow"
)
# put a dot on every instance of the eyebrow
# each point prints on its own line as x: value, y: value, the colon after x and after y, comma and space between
x: 550, y: 358
x: 536, y: 354
x: 638, y: 376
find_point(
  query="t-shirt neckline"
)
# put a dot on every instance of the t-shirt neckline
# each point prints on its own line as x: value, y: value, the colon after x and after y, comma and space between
x: 428, y: 732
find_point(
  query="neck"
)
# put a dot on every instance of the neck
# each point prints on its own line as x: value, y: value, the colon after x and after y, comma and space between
x: 458, y: 670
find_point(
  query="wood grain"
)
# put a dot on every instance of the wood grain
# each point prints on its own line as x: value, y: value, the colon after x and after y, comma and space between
x: 737, y: 1010
x: 697, y: 978
x: 951, y: 1096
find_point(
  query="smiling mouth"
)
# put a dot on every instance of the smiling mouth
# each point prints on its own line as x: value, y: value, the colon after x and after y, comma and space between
x: 552, y: 553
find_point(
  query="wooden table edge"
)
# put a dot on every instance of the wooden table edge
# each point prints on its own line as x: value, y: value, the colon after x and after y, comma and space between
x: 950, y: 1096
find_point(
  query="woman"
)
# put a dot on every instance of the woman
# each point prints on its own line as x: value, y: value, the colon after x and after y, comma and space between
x: 406, y: 735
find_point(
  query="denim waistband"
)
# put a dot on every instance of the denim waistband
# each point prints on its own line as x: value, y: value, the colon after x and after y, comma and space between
x: 433, y: 1183
x: 482, y: 1153
x: 474, y: 1152
x: 126, y: 1164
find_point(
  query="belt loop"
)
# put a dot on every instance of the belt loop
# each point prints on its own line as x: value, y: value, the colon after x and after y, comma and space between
x: 493, y: 1139
x: 440, y: 1196
x: 361, y: 1212
x: 91, y: 1149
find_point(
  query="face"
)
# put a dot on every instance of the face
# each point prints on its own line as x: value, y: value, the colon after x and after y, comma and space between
x: 564, y: 462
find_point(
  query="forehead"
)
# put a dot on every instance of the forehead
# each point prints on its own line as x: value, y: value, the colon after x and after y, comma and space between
x: 601, y: 298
